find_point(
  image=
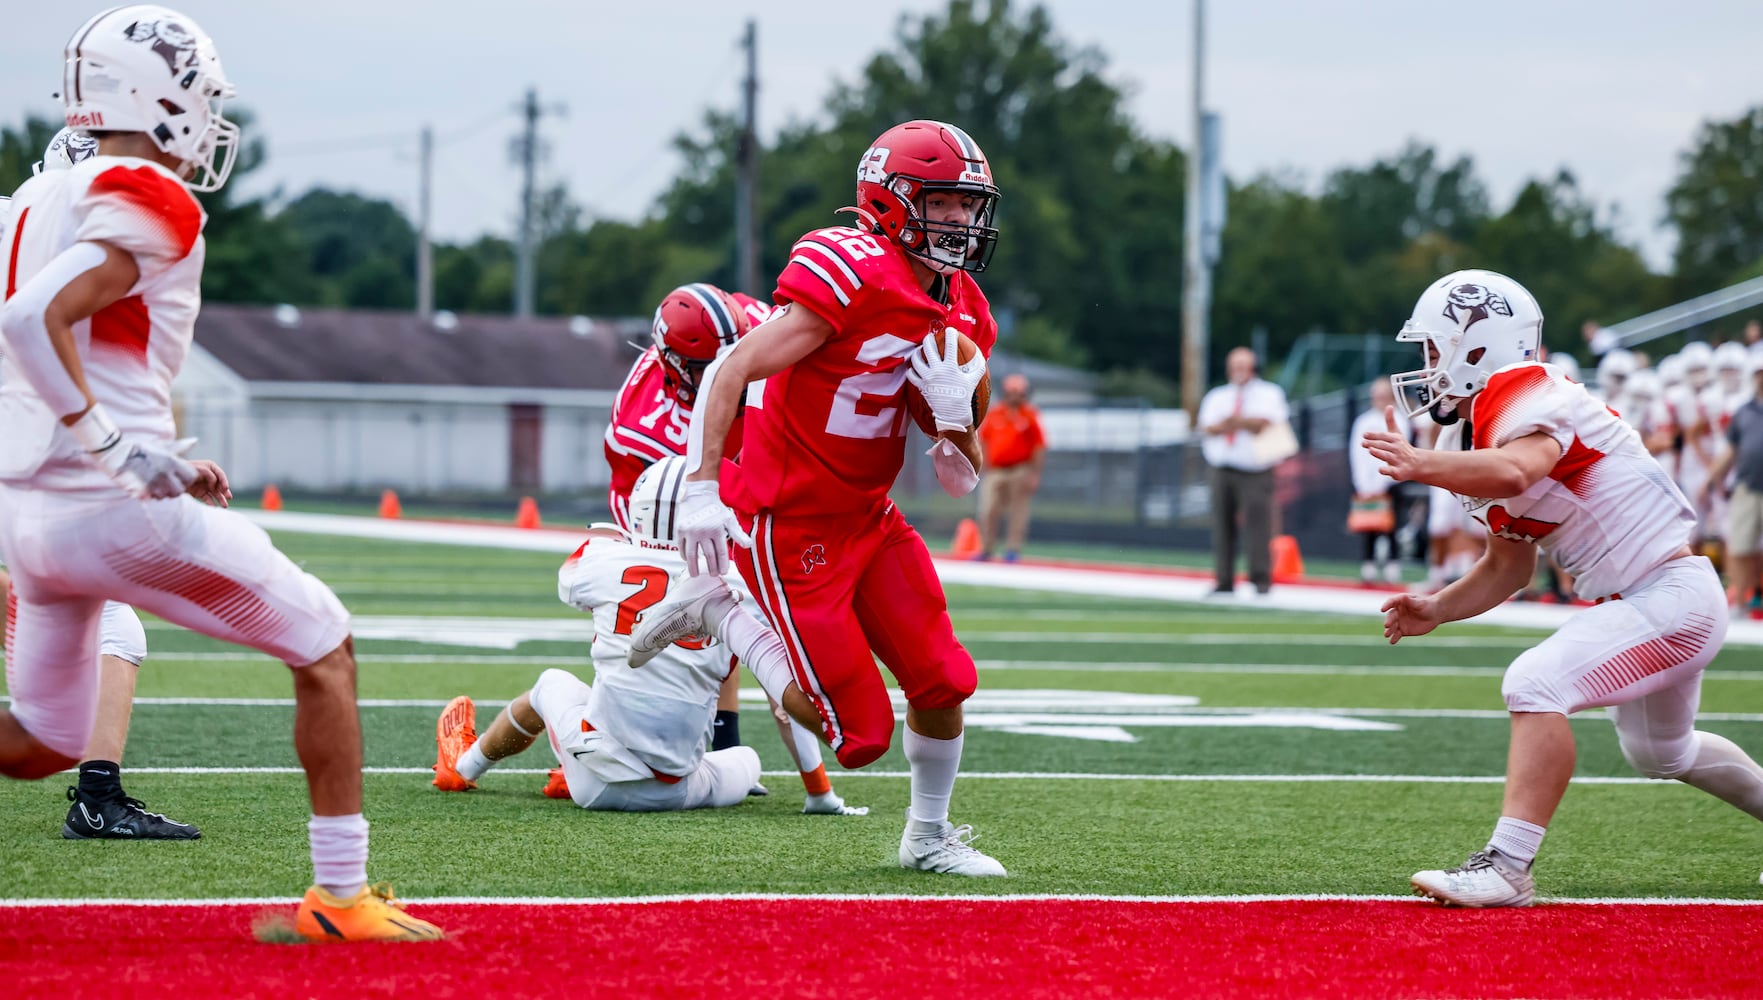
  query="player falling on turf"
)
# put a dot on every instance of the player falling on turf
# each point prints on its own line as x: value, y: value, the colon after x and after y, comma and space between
x: 104, y: 265
x: 839, y: 573
x: 650, y: 421
x: 1543, y: 464
x: 634, y: 741
x: 101, y: 809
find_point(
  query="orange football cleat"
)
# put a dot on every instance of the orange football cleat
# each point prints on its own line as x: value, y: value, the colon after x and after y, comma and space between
x: 372, y: 914
x: 455, y: 732
x: 555, y: 785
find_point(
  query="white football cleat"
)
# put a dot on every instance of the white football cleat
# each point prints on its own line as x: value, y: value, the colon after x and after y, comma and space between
x: 1478, y: 883
x: 949, y: 850
x: 831, y: 804
x: 693, y: 606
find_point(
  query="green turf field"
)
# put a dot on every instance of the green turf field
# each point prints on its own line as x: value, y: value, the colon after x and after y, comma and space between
x: 1115, y: 747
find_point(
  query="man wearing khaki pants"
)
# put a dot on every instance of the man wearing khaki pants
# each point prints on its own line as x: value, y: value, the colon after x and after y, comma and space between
x: 1744, y: 526
x: 1015, y: 449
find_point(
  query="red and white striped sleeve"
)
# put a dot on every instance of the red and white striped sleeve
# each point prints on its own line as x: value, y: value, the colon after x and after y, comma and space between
x: 141, y: 210
x: 1522, y: 400
x: 822, y: 277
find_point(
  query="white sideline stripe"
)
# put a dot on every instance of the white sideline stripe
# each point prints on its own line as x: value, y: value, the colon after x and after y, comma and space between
x: 1406, y: 779
x: 1014, y: 576
x: 735, y: 897
x: 1373, y: 713
x: 1072, y: 666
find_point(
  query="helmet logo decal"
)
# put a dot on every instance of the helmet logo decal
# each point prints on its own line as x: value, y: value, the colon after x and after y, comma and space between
x: 172, y: 41
x: 1468, y: 305
x: 873, y: 166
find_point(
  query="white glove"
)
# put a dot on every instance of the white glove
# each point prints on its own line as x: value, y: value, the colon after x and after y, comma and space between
x: 704, y: 527
x: 946, y: 384
x: 146, y: 470
x: 954, y: 471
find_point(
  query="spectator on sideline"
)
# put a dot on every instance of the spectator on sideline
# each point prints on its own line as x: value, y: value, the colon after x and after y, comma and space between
x: 1015, y: 450
x: 1231, y: 417
x: 1376, y: 504
x: 1744, y: 524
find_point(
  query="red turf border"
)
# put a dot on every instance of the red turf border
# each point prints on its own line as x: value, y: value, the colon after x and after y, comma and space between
x: 894, y: 948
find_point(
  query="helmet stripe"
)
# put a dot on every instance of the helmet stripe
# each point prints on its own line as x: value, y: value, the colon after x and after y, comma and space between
x: 719, y: 314
x: 969, y: 148
x: 679, y: 483
x: 78, y: 61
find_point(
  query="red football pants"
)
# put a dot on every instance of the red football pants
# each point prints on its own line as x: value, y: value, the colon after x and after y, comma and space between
x: 837, y: 588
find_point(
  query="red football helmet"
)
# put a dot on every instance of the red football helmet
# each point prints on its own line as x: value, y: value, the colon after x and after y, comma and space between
x: 692, y: 324
x: 920, y: 156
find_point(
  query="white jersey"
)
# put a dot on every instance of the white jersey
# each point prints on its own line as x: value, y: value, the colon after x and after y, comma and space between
x: 661, y: 711
x: 132, y: 348
x: 1607, y: 513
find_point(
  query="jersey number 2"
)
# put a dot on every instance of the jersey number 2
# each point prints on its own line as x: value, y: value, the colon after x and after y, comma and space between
x: 845, y: 420
x: 653, y: 582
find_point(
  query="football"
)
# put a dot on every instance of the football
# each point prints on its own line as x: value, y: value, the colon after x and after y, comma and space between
x: 982, y: 398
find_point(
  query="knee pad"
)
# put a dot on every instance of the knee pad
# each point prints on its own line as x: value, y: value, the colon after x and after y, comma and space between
x: 860, y: 751
x: 1528, y: 688
x: 949, y: 689
x: 121, y: 634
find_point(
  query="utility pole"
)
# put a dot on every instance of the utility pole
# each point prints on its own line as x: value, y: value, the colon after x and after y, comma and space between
x: 425, y: 258
x: 747, y: 166
x: 527, y: 151
x: 1196, y: 292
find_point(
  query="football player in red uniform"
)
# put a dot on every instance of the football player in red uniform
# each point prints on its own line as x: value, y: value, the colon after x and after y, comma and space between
x: 839, y: 574
x: 649, y: 423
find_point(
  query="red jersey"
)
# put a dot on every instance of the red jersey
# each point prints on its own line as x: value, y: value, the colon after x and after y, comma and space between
x: 649, y: 424
x: 829, y: 433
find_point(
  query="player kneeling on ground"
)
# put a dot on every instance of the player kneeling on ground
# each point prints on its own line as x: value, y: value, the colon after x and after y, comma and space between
x: 635, y: 740
x: 1544, y: 465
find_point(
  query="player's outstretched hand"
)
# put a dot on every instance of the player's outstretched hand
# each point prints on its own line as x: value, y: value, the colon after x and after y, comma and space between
x: 704, y: 526
x: 1407, y: 614
x: 946, y: 384
x: 1401, y: 460
x: 211, y: 484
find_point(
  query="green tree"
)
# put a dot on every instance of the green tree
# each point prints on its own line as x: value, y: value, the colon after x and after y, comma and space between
x: 1716, y: 204
x: 360, y: 251
x: 21, y: 148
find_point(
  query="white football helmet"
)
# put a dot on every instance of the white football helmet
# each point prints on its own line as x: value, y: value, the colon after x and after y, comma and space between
x: 1469, y: 324
x: 1698, y: 363
x: 1731, y: 363
x: 654, y: 499
x: 149, y: 69
x: 66, y: 149
x: 1643, y: 388
x: 1568, y: 364
x: 1671, y: 370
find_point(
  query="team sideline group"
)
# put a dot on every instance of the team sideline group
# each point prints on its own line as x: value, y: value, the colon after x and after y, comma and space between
x: 752, y: 448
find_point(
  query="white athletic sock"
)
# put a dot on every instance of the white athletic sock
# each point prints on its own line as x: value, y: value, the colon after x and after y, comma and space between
x: 760, y: 649
x: 807, y: 746
x: 1727, y: 773
x: 934, y: 764
x: 339, y: 853
x: 1517, y: 840
x: 472, y: 763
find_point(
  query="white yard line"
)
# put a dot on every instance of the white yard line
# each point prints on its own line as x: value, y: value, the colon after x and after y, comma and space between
x: 1053, y: 579
x: 1406, y: 779
x: 736, y: 897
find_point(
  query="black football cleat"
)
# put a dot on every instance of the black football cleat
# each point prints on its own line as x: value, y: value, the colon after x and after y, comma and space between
x: 91, y: 818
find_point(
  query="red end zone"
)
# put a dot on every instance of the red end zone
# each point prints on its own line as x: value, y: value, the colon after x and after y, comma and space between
x: 891, y: 948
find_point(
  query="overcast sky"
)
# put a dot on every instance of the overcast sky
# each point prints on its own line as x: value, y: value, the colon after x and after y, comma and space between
x: 1611, y: 89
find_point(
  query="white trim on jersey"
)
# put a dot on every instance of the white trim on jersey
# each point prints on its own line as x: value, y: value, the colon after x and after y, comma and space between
x: 636, y: 444
x: 766, y: 558
x: 827, y: 252
x: 816, y: 270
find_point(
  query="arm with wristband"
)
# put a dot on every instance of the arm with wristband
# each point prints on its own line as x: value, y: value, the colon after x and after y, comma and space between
x: 37, y: 323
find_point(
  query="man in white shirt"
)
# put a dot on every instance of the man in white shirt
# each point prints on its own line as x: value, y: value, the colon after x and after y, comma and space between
x: 1231, y: 417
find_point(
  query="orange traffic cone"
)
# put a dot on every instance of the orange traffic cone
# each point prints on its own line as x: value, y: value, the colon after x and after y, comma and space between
x: 966, y: 539
x: 389, y: 506
x: 1288, y: 565
x: 528, y: 514
x: 272, y: 497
